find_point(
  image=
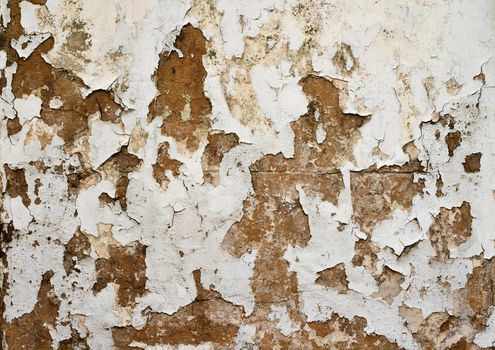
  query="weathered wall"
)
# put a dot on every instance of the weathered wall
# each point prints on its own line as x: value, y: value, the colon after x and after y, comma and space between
x: 181, y: 174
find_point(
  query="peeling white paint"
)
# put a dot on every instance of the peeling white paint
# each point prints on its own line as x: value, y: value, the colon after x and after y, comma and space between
x: 396, y: 71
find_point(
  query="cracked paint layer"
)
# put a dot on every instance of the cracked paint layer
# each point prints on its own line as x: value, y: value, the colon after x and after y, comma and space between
x: 273, y: 174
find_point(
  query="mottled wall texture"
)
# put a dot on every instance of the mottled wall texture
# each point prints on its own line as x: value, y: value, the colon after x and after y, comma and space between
x: 247, y: 175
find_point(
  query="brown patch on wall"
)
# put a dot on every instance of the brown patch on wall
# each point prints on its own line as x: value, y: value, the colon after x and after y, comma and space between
x: 181, y: 99
x: 165, y: 163
x: 450, y: 229
x: 272, y: 339
x: 117, y: 167
x: 75, y: 342
x: 7, y: 232
x: 121, y: 191
x: 104, y: 102
x: 375, y: 194
x: 17, y: 185
x: 209, y: 318
x: 70, y: 123
x: 273, y: 217
x: 269, y: 337
x: 122, y: 161
x: 81, y: 180
x: 413, y: 166
x: 349, y: 334
x: 334, y: 278
x: 389, y: 285
x: 37, y: 185
x: 439, y: 184
x: 453, y: 141
x: 13, y: 126
x: 218, y: 144
x: 463, y: 344
x: 12, y: 32
x: 77, y: 249
x: 126, y: 267
x: 31, y: 330
x: 35, y: 76
x: 365, y: 255
x: 472, y: 163
x: 412, y: 317
x: 481, y: 291
x: 342, y: 132
x: 435, y: 330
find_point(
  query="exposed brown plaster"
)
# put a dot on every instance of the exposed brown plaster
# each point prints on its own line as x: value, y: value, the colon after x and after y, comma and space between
x: 451, y: 228
x: 75, y: 342
x: 126, y: 267
x: 163, y: 164
x: 365, y: 255
x: 349, y: 334
x: 32, y: 330
x: 33, y: 72
x: 272, y: 219
x: 218, y: 145
x: 122, y: 161
x: 77, y: 249
x: 17, y: 185
x: 481, y: 291
x: 375, y: 195
x: 121, y: 191
x: 342, y: 131
x: 13, y: 126
x: 463, y: 344
x: 435, y: 329
x: 81, y: 180
x: 472, y: 163
x: 117, y: 167
x: 208, y: 318
x: 181, y: 100
x: 389, y: 284
x: 12, y: 32
x: 273, y: 216
x: 334, y: 278
x: 104, y: 102
x: 35, y: 76
x: 453, y: 141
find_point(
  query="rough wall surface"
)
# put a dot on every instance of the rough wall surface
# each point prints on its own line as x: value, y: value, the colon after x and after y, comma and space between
x: 259, y: 174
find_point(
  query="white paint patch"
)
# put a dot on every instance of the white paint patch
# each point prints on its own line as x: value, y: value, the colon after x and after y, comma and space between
x: 27, y: 108
x: 106, y: 139
x: 285, y: 325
